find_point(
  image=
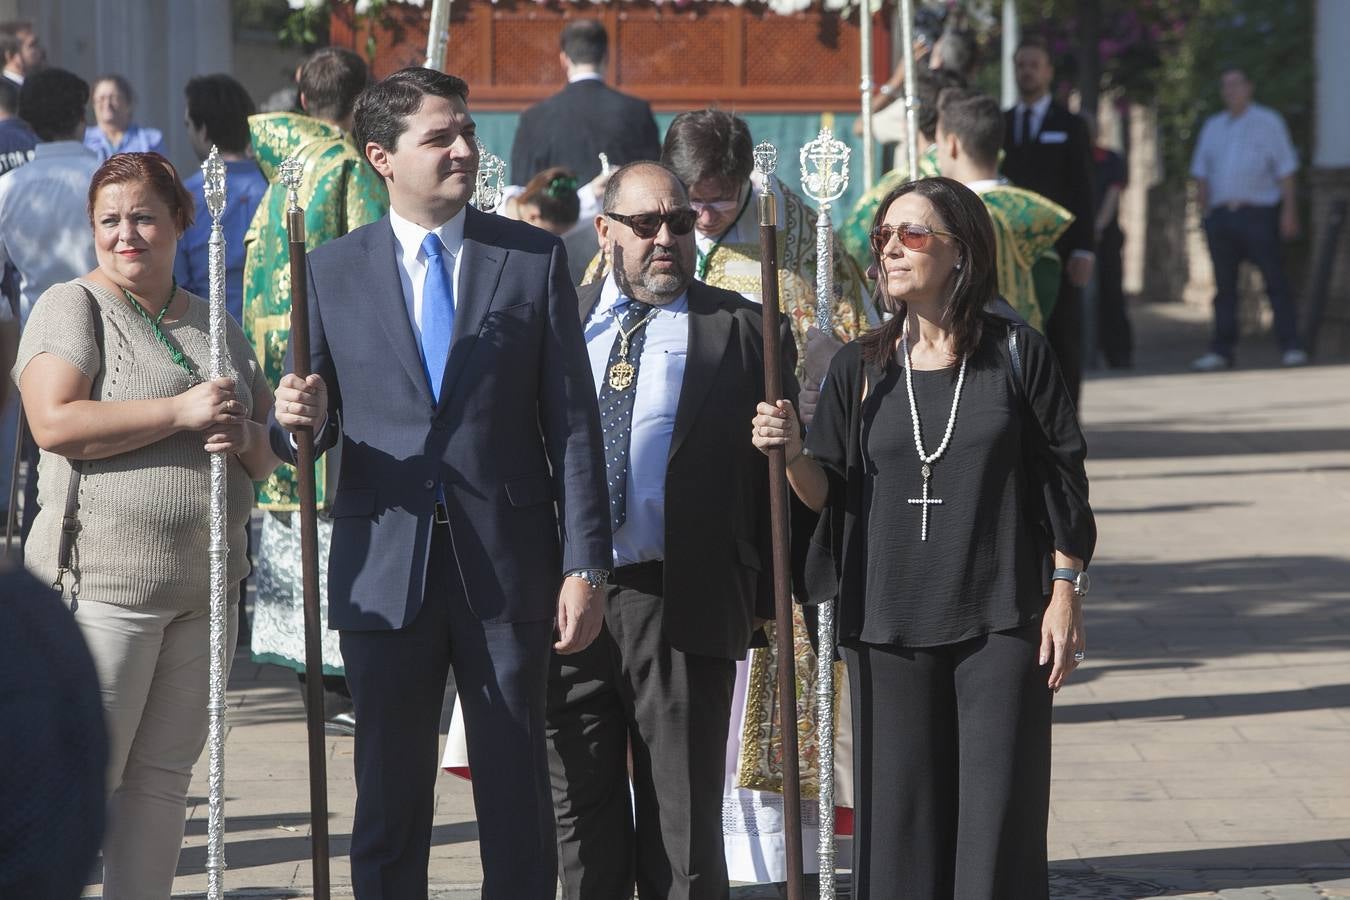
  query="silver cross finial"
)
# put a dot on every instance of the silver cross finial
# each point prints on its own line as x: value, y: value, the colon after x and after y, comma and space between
x: 213, y: 183
x: 824, y: 164
x: 290, y: 173
x: 766, y: 158
x: 491, y: 170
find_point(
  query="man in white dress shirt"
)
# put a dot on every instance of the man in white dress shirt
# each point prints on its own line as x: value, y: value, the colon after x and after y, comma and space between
x: 678, y: 368
x: 23, y: 53
x: 1244, y: 166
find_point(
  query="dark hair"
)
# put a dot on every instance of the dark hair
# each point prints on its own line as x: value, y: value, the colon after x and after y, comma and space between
x: 958, y: 51
x: 52, y: 102
x: 1234, y: 67
x: 977, y: 122
x: 554, y: 193
x: 585, y: 42
x: 222, y: 106
x: 383, y: 109
x: 614, y: 186
x: 962, y: 212
x: 152, y: 170
x: 9, y: 97
x: 10, y: 41
x: 1035, y: 42
x: 123, y: 86
x: 708, y: 143
x: 928, y: 87
x: 330, y: 80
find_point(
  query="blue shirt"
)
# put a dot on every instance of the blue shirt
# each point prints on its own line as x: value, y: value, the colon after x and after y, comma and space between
x: 244, y: 189
x: 138, y: 139
x: 642, y: 537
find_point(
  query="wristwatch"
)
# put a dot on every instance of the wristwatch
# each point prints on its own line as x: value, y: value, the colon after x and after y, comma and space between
x: 596, y: 578
x: 1080, y: 581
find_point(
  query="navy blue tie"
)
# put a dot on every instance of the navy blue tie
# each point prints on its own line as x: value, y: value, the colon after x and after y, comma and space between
x: 438, y: 312
x: 616, y: 407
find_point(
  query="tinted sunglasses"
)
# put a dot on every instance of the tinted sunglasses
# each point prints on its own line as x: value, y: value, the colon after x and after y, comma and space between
x: 912, y: 236
x: 646, y: 225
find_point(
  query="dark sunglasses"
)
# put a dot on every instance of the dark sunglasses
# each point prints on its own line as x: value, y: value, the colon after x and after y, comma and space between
x: 912, y: 236
x: 646, y: 225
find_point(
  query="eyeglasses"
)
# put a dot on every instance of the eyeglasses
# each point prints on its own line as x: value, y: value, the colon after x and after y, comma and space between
x: 720, y: 207
x: 646, y: 225
x: 912, y: 236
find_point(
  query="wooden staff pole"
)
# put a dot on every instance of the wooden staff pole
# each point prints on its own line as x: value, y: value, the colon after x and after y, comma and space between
x: 778, y: 513
x: 309, y: 547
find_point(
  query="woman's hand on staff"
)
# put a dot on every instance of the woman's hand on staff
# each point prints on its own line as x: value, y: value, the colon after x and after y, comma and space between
x: 1062, y: 633
x: 301, y: 402
x: 777, y: 426
x: 207, y: 404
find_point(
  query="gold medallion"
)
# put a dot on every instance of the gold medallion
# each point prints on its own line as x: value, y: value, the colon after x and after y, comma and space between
x: 621, y: 375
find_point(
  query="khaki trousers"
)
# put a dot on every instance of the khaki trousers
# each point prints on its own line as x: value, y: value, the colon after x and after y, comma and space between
x: 153, y: 669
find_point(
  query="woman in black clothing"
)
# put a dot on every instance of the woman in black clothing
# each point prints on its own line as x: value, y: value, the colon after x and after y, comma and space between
x: 946, y: 459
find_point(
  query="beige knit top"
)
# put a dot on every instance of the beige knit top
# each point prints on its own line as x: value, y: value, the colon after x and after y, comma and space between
x: 144, y: 515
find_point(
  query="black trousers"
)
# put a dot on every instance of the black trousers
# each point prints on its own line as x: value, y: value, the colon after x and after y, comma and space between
x: 1115, y: 338
x: 952, y: 768
x: 397, y: 681
x: 631, y: 688
x: 1064, y: 331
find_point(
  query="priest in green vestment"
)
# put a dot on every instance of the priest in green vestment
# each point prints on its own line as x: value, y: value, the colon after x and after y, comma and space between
x: 857, y: 225
x: 339, y: 192
x: 1026, y: 224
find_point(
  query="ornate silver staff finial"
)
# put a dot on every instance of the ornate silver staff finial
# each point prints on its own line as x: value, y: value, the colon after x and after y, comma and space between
x: 491, y: 171
x: 825, y: 168
x: 290, y: 173
x: 213, y: 181
x: 766, y: 158
x: 605, y: 167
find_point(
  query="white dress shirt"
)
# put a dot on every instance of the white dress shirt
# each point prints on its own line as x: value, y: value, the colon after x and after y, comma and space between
x: 412, y: 261
x: 1243, y: 158
x: 642, y: 537
x: 44, y: 220
x: 1038, y: 111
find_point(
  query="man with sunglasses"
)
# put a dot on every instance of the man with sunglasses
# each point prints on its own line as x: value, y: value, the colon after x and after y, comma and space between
x: 676, y: 363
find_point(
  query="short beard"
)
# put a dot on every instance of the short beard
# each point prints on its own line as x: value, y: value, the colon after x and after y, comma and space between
x: 655, y: 289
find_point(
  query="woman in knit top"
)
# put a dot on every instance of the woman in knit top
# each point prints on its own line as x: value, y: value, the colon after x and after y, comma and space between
x: 112, y: 371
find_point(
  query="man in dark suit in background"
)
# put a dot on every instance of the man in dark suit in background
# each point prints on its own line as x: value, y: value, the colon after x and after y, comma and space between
x: 1047, y: 150
x: 449, y: 363
x: 692, y: 551
x: 586, y: 118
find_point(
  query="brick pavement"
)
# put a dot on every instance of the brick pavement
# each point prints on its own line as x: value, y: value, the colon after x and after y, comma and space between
x: 1202, y: 751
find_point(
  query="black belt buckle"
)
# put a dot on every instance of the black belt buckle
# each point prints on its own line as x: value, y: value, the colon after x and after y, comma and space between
x: 442, y: 514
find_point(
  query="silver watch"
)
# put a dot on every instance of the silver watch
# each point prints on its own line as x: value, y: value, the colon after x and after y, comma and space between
x: 596, y: 578
x: 1080, y: 581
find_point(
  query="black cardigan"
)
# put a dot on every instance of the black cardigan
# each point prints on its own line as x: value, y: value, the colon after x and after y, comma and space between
x: 1057, y: 511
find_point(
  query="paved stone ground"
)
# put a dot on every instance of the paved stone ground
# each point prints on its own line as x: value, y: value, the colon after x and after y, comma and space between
x: 1202, y: 751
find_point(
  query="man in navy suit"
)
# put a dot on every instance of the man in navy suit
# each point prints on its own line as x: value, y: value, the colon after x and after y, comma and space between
x: 586, y: 118
x: 470, y: 517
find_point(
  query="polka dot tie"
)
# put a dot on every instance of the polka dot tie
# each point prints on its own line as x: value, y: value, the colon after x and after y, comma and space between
x: 616, y: 410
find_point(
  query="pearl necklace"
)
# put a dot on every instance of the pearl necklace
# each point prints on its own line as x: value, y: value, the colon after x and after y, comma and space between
x: 927, y: 459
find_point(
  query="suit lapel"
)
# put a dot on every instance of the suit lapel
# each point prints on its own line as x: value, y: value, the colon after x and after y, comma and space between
x: 386, y: 290
x: 709, y: 335
x: 588, y: 295
x: 480, y: 270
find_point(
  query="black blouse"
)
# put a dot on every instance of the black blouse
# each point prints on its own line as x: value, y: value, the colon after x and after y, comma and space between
x: 1012, y: 485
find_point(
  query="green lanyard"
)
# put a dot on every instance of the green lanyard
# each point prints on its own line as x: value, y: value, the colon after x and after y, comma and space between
x: 174, y: 353
x: 701, y: 266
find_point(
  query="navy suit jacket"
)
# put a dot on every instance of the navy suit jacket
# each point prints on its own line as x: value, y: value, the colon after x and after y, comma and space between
x: 1060, y: 169
x: 514, y: 442
x: 578, y: 123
